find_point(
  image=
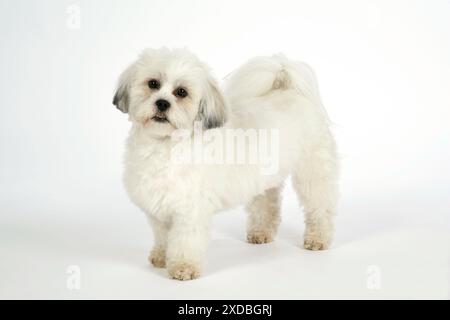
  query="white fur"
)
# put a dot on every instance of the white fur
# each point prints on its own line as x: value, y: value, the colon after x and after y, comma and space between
x: 265, y: 93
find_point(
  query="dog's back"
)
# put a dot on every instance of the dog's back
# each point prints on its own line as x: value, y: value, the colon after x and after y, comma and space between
x: 262, y: 76
x: 278, y: 93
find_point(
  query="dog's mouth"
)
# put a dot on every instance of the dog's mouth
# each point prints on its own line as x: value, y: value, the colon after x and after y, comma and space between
x: 159, y: 117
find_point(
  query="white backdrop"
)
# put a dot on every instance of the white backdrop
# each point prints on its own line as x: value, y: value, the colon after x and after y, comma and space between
x: 384, y: 73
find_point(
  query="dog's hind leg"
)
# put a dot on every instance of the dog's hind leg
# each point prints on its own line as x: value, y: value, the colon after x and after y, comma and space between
x: 315, y: 183
x: 264, y: 216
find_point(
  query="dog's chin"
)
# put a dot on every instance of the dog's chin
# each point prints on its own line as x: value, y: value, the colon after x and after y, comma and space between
x: 159, y: 126
x: 160, y: 118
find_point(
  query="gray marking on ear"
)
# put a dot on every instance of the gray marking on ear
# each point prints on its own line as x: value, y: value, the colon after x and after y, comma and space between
x: 213, y: 109
x: 208, y: 122
x: 121, y: 99
x: 122, y: 96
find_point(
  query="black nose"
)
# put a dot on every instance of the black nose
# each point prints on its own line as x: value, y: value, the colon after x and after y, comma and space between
x: 162, y: 105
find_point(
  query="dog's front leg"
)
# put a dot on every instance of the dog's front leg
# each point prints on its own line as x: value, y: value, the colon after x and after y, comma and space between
x: 187, y: 242
x: 158, y: 254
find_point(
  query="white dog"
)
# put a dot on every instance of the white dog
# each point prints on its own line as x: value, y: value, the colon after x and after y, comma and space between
x: 168, y: 91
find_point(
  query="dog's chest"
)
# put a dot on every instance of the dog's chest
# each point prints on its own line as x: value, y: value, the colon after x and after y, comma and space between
x: 147, y: 179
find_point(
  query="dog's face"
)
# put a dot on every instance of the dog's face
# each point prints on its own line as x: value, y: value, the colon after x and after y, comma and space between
x: 166, y: 90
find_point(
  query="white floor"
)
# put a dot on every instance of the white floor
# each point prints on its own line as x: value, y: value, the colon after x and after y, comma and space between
x: 384, y: 248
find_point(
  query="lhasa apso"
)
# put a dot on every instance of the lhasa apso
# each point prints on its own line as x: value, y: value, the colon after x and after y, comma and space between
x: 170, y: 93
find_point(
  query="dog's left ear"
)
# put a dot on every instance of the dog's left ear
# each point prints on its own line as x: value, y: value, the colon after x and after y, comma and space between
x: 122, y: 96
x: 213, y: 110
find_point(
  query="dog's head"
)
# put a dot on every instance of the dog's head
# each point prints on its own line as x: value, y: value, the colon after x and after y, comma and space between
x: 167, y: 89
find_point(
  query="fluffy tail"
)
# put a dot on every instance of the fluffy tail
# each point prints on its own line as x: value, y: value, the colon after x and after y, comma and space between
x: 264, y: 75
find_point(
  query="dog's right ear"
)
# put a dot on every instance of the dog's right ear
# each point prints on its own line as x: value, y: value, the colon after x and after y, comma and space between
x: 122, y: 96
x: 121, y: 99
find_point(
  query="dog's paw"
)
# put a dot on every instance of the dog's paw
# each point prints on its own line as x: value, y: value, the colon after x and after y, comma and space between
x: 157, y: 258
x: 259, y: 237
x: 183, y: 271
x: 316, y: 244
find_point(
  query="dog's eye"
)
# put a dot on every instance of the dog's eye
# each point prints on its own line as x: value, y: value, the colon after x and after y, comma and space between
x: 154, y: 84
x: 181, y: 92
